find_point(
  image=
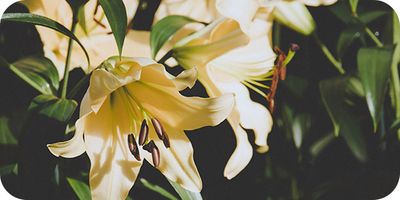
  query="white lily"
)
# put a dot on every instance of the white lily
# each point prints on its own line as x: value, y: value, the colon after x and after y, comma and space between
x: 201, y: 10
x: 97, y: 39
x: 122, y: 96
x: 228, y: 61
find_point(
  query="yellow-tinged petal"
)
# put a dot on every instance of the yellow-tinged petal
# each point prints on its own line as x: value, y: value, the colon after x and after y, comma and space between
x: 295, y: 15
x: 201, y: 10
x: 113, y: 168
x: 177, y: 162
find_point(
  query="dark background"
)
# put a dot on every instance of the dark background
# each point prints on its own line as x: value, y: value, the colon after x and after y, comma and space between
x: 285, y: 172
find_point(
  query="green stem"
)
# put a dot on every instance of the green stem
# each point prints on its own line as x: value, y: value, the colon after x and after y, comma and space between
x: 68, y: 58
x: 373, y: 37
x: 328, y: 54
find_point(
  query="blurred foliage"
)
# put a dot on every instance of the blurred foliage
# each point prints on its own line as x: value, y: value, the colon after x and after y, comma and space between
x: 336, y: 136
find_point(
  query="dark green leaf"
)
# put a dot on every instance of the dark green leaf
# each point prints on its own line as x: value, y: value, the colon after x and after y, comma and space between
x: 320, y: 145
x: 374, y: 68
x: 185, y: 194
x: 395, y: 125
x: 342, y: 11
x: 43, y: 21
x: 8, y: 169
x: 6, y: 135
x: 300, y: 127
x: 346, y: 38
x: 337, y: 95
x: 158, y: 189
x: 164, y: 29
x: 370, y: 16
x: 53, y: 107
x: 80, y: 188
x: 116, y: 16
x: 353, y: 5
x: 39, y: 72
x: 76, y: 4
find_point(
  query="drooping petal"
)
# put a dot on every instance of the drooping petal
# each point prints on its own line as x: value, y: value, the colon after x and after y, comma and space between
x: 176, y: 162
x: 113, y: 168
x: 185, y: 113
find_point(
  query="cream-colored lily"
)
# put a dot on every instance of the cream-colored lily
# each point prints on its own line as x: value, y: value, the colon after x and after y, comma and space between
x: 291, y: 13
x: 228, y: 61
x: 201, y: 10
x: 122, y: 95
x: 96, y: 37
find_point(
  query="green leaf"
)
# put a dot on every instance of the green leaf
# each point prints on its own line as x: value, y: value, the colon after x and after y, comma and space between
x: 300, y: 127
x: 185, y: 194
x: 374, y: 69
x: 158, y: 189
x: 338, y: 96
x: 320, y: 145
x: 8, y: 169
x: 53, y: 107
x: 346, y: 38
x: 76, y: 4
x: 164, y: 29
x: 395, y: 125
x: 370, y: 16
x: 39, y: 72
x: 43, y: 21
x: 116, y: 16
x: 353, y: 5
x: 6, y: 135
x: 80, y: 188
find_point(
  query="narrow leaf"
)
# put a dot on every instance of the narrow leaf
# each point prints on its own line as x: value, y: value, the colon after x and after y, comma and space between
x: 371, y: 16
x: 374, y: 68
x: 158, y: 189
x: 338, y: 97
x: 353, y: 5
x: 6, y: 135
x: 321, y: 144
x: 185, y: 194
x: 80, y: 188
x: 164, y: 29
x: 116, y: 15
x: 346, y: 38
x: 43, y: 21
x: 53, y: 107
x: 7, y: 169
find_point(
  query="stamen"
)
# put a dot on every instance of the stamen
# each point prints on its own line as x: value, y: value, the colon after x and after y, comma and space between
x: 133, y: 147
x: 158, y: 128
x: 144, y: 133
x: 166, y: 142
x: 155, y: 153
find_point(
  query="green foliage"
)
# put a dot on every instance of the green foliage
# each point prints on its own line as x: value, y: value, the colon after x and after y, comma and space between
x: 338, y: 96
x: 374, y: 69
x: 38, y: 72
x: 43, y: 21
x: 8, y: 169
x: 80, y: 188
x: 6, y: 136
x: 116, y: 15
x: 164, y: 29
x: 54, y: 107
x: 158, y: 189
x: 185, y: 194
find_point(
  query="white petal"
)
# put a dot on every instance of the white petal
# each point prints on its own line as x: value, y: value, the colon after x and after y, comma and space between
x: 295, y: 15
x: 318, y: 2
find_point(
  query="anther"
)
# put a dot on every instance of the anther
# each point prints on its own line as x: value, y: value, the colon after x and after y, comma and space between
x: 155, y: 153
x: 144, y: 133
x: 158, y: 128
x: 294, y: 47
x: 133, y: 147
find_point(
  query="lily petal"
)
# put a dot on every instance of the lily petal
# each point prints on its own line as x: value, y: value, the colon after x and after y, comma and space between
x: 295, y: 15
x: 318, y: 2
x: 176, y: 162
x: 113, y: 169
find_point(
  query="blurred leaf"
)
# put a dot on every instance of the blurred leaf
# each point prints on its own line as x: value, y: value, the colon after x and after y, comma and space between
x: 346, y: 38
x: 164, y: 29
x: 342, y: 11
x: 82, y: 19
x: 53, y: 107
x: 80, y: 188
x: 6, y: 136
x: 374, y: 69
x: 76, y: 4
x: 185, y: 194
x: 336, y: 95
x: 158, y: 189
x: 320, y: 145
x: 116, y: 16
x: 8, y: 169
x: 43, y: 21
x: 300, y: 127
x: 296, y: 85
x: 40, y: 73
x: 353, y: 5
x: 395, y: 125
x: 370, y: 16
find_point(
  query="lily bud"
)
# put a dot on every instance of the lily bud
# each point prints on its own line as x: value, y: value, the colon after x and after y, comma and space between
x: 133, y: 148
x: 152, y: 148
x: 296, y: 16
x: 144, y: 133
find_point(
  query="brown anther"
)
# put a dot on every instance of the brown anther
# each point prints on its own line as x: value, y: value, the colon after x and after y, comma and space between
x: 166, y: 142
x: 158, y: 128
x: 294, y: 47
x: 99, y: 23
x: 279, y: 73
x: 155, y: 153
x: 144, y: 133
x: 133, y: 147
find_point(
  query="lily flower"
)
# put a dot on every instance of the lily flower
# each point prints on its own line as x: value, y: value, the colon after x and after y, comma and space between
x: 96, y: 36
x: 229, y: 61
x: 133, y: 111
x: 292, y: 13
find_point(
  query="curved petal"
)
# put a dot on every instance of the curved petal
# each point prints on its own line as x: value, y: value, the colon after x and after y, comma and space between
x: 295, y: 15
x: 318, y: 2
x: 176, y: 162
x: 113, y: 168
x: 184, y: 113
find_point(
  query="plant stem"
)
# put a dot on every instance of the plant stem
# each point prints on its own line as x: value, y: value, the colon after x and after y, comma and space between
x: 328, y: 54
x: 68, y: 58
x: 373, y: 37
